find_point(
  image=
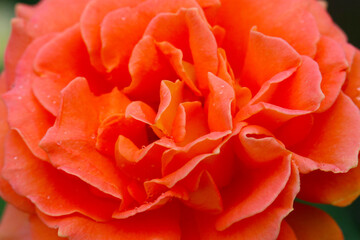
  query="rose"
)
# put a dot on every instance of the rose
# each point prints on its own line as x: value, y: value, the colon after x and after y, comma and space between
x: 179, y: 119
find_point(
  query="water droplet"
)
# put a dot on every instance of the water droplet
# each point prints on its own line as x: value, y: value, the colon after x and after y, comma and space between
x: 58, y: 143
x: 123, y: 18
x: 16, y: 158
x: 54, y: 102
x: 93, y: 136
x: 143, y: 147
x: 221, y: 92
x: 19, y: 97
x: 48, y: 197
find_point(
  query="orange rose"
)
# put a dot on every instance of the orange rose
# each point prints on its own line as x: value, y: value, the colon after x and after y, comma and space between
x: 181, y: 119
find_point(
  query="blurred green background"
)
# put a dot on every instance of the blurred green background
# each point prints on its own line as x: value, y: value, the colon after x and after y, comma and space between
x: 345, y: 13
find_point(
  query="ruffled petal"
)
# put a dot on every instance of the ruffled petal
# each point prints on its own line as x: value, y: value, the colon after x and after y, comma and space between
x: 126, y: 26
x: 74, y: 133
x: 147, y: 67
x: 90, y: 24
x: 57, y: 68
x: 266, y: 57
x: 265, y: 225
x: 256, y: 197
x: 333, y: 143
x: 54, y: 193
x: 157, y: 224
x: 188, y: 31
x: 289, y: 20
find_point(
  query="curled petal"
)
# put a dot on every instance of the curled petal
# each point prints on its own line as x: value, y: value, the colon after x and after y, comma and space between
x: 170, y: 98
x: 266, y: 57
x: 220, y: 99
x: 189, y: 123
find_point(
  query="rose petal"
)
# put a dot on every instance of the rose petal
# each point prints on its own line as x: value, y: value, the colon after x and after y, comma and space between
x: 141, y: 112
x: 43, y: 21
x: 116, y: 125
x: 324, y: 22
x: 14, y: 224
x: 17, y: 44
x: 205, y: 196
x: 74, y: 133
x: 54, y: 193
x: 24, y: 11
x: 266, y: 57
x: 260, y: 188
x: 189, y: 123
x: 325, y: 187
x: 40, y: 231
x: 289, y: 20
x: 184, y: 69
x: 220, y: 99
x: 333, y: 65
x: 286, y: 232
x: 188, y: 24
x: 22, y: 104
x: 122, y: 28
x: 269, y: 220
x: 256, y: 145
x: 170, y: 98
x: 333, y: 143
x: 311, y: 223
x: 6, y: 191
x: 58, y: 68
x: 352, y: 88
x: 140, y: 163
x: 157, y: 224
x: 147, y: 67
x: 90, y: 24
